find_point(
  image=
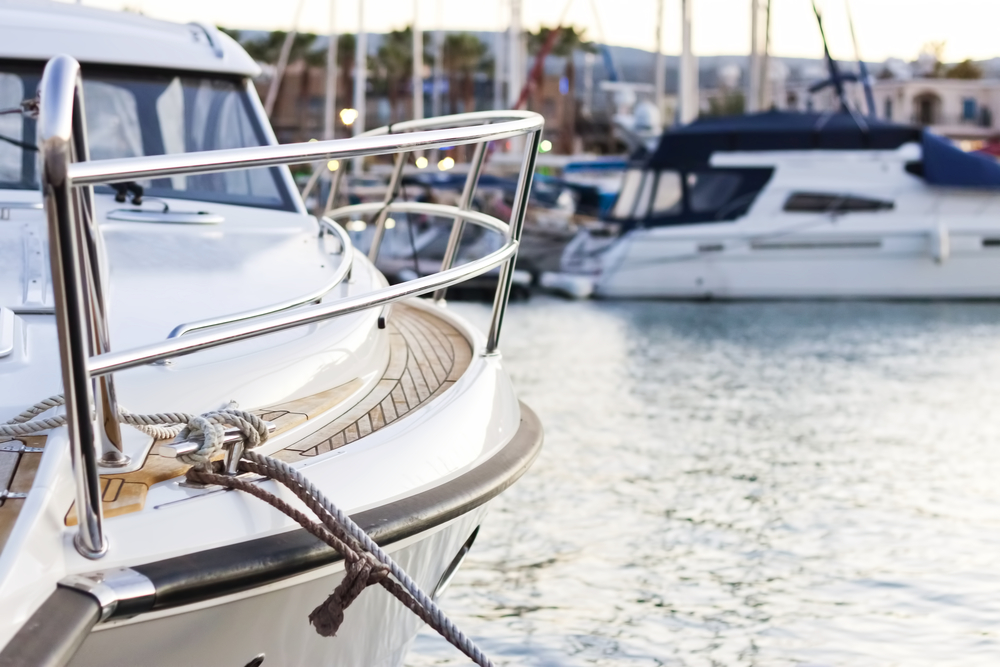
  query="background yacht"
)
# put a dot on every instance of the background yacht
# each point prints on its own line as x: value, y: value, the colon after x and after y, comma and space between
x: 799, y: 205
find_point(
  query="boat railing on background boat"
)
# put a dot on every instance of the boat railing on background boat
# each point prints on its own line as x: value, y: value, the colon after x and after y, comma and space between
x: 78, y: 276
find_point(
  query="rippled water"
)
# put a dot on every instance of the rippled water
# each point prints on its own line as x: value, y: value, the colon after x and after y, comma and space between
x: 745, y: 484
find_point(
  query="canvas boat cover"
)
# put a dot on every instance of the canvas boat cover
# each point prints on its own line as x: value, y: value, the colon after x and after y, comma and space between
x: 691, y: 146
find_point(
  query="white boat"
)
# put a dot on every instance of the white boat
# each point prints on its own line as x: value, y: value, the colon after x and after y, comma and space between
x: 794, y: 205
x: 214, y: 290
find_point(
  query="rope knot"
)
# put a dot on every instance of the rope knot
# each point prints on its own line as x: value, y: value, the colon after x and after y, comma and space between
x: 211, y: 427
x: 360, y: 573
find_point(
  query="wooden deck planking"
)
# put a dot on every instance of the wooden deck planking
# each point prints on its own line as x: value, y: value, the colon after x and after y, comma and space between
x: 426, y: 356
x: 17, y: 474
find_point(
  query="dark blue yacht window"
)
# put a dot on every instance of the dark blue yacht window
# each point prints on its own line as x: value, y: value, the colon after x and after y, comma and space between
x: 709, y: 191
x: 830, y: 202
x: 668, y: 197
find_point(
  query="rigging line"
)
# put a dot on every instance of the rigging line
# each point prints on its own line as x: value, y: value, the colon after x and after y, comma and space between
x: 20, y: 144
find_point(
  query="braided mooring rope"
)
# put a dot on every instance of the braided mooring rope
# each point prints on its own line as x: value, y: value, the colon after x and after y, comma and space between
x: 365, y: 563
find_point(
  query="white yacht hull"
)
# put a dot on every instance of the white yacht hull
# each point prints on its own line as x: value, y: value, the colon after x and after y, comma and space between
x: 272, y: 620
x: 928, y: 263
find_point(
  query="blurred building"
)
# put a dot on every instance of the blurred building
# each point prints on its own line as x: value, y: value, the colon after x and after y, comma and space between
x: 917, y: 93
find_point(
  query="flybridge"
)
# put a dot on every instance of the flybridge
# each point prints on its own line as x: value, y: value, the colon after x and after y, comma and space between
x: 692, y: 145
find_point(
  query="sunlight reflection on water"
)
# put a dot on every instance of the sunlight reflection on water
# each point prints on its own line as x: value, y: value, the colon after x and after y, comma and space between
x: 744, y: 484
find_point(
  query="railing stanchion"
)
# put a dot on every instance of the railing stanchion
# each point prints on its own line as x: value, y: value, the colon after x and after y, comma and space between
x: 516, y: 224
x: 59, y: 86
x: 390, y: 194
x: 458, y: 224
x: 106, y: 405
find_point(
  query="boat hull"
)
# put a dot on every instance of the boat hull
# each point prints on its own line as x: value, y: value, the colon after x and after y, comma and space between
x: 273, y: 620
x: 930, y: 263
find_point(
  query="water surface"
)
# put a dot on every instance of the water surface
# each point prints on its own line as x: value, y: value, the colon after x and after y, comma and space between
x: 744, y: 484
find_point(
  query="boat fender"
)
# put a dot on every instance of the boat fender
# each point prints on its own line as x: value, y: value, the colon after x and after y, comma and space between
x: 940, y: 241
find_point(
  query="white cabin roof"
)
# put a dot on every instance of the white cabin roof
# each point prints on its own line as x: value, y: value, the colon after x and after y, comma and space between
x: 41, y: 29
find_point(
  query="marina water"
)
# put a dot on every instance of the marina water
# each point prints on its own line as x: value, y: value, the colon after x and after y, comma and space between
x: 744, y: 484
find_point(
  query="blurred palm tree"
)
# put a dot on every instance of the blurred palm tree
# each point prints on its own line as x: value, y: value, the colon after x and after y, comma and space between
x: 568, y: 42
x: 395, y: 64
x: 266, y: 49
x: 464, y: 56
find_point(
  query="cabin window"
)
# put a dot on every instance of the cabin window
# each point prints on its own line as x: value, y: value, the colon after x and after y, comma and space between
x: 669, y: 194
x: 17, y: 165
x: 113, y: 129
x: 709, y: 191
x: 824, y: 202
x: 645, y: 195
x: 149, y: 113
x: 674, y: 197
x: 626, y: 198
x: 888, y: 108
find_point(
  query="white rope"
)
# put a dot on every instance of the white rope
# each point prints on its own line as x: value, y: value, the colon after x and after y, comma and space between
x: 211, y: 426
x: 26, y: 424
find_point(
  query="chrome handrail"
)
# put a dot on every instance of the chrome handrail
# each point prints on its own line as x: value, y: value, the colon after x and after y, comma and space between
x: 342, y: 272
x: 103, y: 364
x: 80, y: 308
x: 424, y: 208
x: 178, y: 164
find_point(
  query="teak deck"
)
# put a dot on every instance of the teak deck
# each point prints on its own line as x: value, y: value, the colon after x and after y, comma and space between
x: 427, y: 355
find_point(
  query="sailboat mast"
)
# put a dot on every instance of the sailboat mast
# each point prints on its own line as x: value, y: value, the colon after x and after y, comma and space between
x: 418, y: 64
x: 766, y: 94
x: 360, y: 71
x: 515, y: 67
x: 330, y: 102
x: 498, y: 63
x: 279, y: 72
x: 838, y: 82
x: 661, y: 63
x: 754, y: 78
x: 436, y: 105
x: 687, y: 108
x: 866, y: 81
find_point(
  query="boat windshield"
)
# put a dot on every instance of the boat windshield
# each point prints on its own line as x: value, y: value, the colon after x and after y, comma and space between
x: 131, y: 113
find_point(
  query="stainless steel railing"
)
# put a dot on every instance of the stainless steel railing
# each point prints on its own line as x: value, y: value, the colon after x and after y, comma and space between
x: 88, y: 362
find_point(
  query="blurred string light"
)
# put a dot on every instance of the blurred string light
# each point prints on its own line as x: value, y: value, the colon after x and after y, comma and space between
x: 389, y: 223
x: 421, y: 162
x: 545, y: 146
x: 333, y: 165
x: 357, y: 226
x: 348, y: 116
x: 446, y: 164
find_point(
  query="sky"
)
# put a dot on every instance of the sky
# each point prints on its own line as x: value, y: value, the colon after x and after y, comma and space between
x: 885, y: 28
